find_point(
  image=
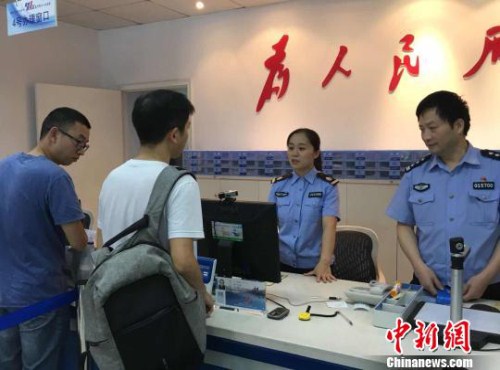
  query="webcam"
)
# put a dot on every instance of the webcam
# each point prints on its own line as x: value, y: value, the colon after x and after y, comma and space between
x: 228, y: 195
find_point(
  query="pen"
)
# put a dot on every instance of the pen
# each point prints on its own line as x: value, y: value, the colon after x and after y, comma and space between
x: 334, y: 298
x: 229, y: 308
x: 345, y: 318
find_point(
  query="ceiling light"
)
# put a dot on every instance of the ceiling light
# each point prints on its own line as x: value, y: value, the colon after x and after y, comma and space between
x: 200, y: 5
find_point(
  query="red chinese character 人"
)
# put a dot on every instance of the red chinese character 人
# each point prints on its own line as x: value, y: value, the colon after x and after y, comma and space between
x: 401, y: 65
x: 426, y: 336
x: 399, y: 332
x: 491, y: 46
x: 337, y: 67
x: 457, y: 335
x: 276, y: 70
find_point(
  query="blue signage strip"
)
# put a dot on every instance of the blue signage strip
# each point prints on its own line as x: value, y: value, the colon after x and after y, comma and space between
x: 30, y: 15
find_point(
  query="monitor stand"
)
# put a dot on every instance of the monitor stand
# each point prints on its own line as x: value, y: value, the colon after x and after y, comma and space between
x: 225, y: 258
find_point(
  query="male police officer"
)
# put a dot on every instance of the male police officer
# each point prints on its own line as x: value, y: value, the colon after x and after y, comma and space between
x: 452, y: 192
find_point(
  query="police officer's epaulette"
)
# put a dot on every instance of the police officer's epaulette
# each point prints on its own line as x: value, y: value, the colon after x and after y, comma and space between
x: 327, y: 178
x: 420, y: 162
x: 490, y: 154
x: 281, y: 178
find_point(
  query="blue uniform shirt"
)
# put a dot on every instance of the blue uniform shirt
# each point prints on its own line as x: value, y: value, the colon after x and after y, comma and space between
x: 36, y: 196
x: 444, y: 204
x: 302, y: 202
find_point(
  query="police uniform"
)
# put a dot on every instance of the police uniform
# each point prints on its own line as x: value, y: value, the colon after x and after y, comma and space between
x: 302, y: 202
x: 444, y: 204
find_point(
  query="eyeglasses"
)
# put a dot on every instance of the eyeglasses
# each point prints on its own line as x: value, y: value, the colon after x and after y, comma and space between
x: 81, y: 145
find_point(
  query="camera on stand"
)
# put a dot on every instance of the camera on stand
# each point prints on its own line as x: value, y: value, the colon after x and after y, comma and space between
x: 228, y: 195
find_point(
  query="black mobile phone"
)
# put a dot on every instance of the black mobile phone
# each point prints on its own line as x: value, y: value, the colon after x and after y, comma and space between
x: 278, y: 313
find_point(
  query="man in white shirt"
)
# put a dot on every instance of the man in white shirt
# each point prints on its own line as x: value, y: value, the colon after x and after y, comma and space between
x: 162, y: 120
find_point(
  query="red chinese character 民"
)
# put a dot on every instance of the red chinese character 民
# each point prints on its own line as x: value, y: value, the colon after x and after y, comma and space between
x: 336, y: 67
x: 399, y: 332
x: 457, y: 335
x: 491, y: 46
x: 401, y: 65
x: 426, y: 336
x: 276, y: 70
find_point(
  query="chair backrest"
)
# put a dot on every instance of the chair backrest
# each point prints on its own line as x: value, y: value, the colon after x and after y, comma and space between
x: 356, y: 254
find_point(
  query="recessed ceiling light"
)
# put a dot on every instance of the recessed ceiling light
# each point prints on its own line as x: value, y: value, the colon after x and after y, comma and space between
x: 200, y: 5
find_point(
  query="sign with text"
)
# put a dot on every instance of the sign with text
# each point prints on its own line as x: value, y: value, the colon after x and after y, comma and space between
x: 30, y: 15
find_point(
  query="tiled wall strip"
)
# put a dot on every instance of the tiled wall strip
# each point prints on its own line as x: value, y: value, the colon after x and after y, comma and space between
x: 373, y: 165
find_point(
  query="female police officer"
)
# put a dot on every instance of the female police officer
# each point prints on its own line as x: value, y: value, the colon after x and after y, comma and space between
x: 308, y: 209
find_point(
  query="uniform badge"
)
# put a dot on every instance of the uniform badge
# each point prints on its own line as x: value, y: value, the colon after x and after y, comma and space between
x: 281, y: 194
x: 421, y: 187
x: 483, y: 184
x: 315, y: 194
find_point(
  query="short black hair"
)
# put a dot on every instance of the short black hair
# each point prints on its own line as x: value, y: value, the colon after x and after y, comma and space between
x: 62, y: 118
x: 449, y: 107
x: 157, y: 112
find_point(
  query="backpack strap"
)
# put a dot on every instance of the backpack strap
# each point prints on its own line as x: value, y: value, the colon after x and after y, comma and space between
x: 138, y: 225
x: 162, y: 188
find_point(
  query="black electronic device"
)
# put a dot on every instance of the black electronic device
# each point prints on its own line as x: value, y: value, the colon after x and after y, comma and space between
x: 484, y: 307
x: 278, y: 313
x: 243, y: 237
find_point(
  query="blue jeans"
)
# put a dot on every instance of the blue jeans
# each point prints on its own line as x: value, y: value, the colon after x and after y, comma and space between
x: 34, y: 344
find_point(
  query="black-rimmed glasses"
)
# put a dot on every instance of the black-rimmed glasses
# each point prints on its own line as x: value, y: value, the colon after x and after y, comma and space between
x: 81, y: 145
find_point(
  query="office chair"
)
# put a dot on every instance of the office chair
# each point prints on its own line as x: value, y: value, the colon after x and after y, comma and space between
x: 88, y: 219
x: 356, y: 254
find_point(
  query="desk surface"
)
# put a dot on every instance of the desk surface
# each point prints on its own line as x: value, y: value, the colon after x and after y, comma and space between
x: 331, y: 340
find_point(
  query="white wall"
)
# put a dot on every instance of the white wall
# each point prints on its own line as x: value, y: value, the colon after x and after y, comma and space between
x: 223, y: 55
x: 62, y: 55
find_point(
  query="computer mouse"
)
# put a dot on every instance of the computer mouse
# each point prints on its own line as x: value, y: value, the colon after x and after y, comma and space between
x: 484, y: 307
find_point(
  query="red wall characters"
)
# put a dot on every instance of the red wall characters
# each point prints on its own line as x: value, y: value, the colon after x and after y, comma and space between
x: 279, y: 75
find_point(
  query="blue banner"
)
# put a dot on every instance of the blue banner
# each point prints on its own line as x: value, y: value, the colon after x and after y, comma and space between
x: 30, y: 15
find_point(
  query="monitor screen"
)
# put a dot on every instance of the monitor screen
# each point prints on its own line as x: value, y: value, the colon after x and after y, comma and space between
x: 243, y: 237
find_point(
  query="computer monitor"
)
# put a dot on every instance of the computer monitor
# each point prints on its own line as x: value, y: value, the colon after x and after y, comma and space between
x: 243, y: 237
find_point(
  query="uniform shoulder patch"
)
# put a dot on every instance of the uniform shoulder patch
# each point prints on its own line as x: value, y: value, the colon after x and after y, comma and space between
x: 327, y: 178
x: 420, y: 162
x: 281, y: 178
x: 490, y: 154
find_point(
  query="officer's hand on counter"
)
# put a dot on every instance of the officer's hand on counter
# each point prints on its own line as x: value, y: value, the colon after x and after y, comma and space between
x: 475, y: 287
x: 323, y: 272
x: 428, y: 279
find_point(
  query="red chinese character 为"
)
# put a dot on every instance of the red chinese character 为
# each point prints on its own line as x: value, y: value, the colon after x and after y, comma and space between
x: 401, y: 65
x: 426, y: 336
x: 276, y: 70
x: 491, y: 46
x: 399, y: 332
x: 336, y: 67
x: 457, y: 335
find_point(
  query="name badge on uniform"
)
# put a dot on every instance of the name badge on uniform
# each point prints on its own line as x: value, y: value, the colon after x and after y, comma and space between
x: 315, y: 194
x: 281, y: 194
x: 421, y: 187
x: 483, y: 185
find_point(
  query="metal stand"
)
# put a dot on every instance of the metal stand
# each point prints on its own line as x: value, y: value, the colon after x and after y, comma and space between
x: 458, y: 251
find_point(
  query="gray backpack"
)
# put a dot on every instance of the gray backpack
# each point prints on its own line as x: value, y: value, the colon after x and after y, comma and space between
x: 139, y: 313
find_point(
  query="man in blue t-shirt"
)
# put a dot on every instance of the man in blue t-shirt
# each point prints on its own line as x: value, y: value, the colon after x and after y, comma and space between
x: 39, y: 214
